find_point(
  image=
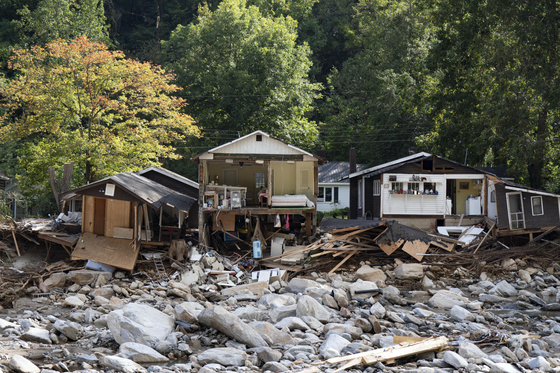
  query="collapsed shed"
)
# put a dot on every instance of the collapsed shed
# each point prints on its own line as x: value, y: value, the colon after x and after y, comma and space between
x: 123, y: 212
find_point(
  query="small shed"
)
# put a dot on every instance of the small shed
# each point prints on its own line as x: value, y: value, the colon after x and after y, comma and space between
x: 124, y: 211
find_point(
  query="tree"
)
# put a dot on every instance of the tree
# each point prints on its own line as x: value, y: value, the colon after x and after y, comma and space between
x: 500, y: 85
x: 242, y: 71
x: 78, y: 101
x: 64, y: 19
x: 374, y: 101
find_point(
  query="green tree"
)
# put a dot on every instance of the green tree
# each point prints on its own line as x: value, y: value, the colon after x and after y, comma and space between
x: 63, y: 19
x: 78, y: 101
x: 242, y: 71
x: 500, y: 86
x: 375, y: 101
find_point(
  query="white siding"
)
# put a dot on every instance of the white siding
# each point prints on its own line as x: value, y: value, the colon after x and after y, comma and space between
x: 343, y: 197
x: 405, y: 204
x: 250, y: 145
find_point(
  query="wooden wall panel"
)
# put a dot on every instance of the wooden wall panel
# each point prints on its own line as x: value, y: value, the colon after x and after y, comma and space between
x: 88, y: 214
x: 117, y: 215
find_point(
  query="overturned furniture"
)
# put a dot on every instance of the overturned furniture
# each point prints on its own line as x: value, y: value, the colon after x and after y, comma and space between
x: 121, y: 213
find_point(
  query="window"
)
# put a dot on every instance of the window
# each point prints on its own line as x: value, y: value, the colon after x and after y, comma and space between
x: 536, y: 204
x: 397, y: 187
x: 430, y: 188
x: 328, y: 194
x: 321, y: 195
x: 413, y: 188
x: 259, y: 137
x: 360, y: 193
x: 493, y: 197
x: 260, y: 180
x: 376, y: 187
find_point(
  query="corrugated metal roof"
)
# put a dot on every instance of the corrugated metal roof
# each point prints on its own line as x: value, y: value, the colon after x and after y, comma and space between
x: 148, y: 191
x: 333, y: 171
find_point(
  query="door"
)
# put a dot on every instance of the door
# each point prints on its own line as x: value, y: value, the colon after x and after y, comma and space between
x: 515, y: 211
x: 451, y: 191
x: 492, y: 208
x: 304, y: 182
x: 99, y: 217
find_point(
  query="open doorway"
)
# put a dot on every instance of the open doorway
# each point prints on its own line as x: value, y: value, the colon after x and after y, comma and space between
x: 451, y: 192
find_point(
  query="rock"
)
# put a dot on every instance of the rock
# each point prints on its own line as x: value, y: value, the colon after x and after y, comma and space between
x: 105, y: 292
x: 274, y: 366
x: 135, y: 323
x: 121, y: 364
x: 455, y: 360
x: 231, y: 325
x: 292, y: 323
x: 341, y: 298
x: 140, y: 353
x: 378, y: 310
x: 299, y: 285
x: 37, y: 335
x: 332, y: 346
x: 469, y: 350
x: 552, y: 340
x: 307, y: 306
x: 72, y: 301
x: 22, y: 365
x: 539, y: 362
x: 250, y: 313
x: 255, y: 288
x: 427, y: 283
x: 225, y: 356
x: 447, y: 299
x: 267, y: 354
x: 279, y: 313
x: 86, y: 276
x: 524, y: 275
x: 68, y: 328
x: 329, y: 301
x: 6, y: 325
x: 271, y: 334
x: 100, y: 301
x: 88, y: 359
x: 503, y: 289
x: 460, y: 314
x: 409, y: 271
x: 56, y: 280
x: 312, y: 322
x: 366, y: 273
x: 188, y: 312
x: 509, y: 264
x: 362, y: 285
x: 277, y: 300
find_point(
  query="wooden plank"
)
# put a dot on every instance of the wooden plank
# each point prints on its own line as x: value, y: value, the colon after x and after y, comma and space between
x: 445, y: 238
x: 115, y: 252
x: 484, y: 239
x: 406, y: 350
x: 416, y: 249
x: 67, y: 241
x: 15, y: 241
x: 543, y: 234
x: 398, y: 339
x: 342, y: 230
x: 117, y: 215
x: 349, y: 364
x: 88, y: 214
x: 343, y: 261
x: 392, y: 247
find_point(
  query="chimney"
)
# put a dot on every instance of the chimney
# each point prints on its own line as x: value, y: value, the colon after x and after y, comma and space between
x: 352, y: 160
x: 322, y: 153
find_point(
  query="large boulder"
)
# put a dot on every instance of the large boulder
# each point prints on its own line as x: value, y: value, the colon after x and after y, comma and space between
x: 86, y: 276
x: 231, y: 325
x: 409, y: 271
x: 20, y: 364
x: 140, y: 353
x: 332, y: 346
x: 121, y: 364
x: 503, y: 289
x: 140, y: 323
x: 299, y: 285
x: 188, y: 312
x: 225, y: 356
x: 366, y: 273
x: 56, y: 280
x: 447, y: 299
x: 307, y: 306
x: 271, y: 334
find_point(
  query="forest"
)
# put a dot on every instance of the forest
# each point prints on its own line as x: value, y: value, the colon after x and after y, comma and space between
x: 120, y: 85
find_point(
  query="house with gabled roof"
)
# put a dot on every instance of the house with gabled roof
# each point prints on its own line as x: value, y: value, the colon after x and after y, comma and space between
x: 334, y: 192
x: 257, y: 175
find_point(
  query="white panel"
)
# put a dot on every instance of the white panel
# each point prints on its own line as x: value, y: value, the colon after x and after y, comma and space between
x: 250, y: 145
x: 343, y: 197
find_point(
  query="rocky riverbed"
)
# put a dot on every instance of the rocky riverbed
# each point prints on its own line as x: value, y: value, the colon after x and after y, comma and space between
x: 506, y: 319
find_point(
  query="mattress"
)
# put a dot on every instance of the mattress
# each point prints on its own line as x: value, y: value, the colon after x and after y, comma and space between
x: 291, y: 200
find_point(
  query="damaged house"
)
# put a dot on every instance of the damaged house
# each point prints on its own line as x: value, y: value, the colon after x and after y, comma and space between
x: 256, y: 177
x: 124, y: 211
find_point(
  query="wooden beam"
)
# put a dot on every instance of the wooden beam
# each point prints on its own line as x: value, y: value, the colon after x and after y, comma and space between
x: 544, y: 234
x: 15, y: 241
x: 343, y: 261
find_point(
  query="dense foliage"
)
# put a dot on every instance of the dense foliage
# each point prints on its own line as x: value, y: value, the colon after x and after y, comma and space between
x: 461, y: 78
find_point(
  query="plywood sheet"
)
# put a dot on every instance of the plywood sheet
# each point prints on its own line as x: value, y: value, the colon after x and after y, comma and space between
x: 416, y: 249
x: 117, y: 215
x: 89, y: 210
x: 115, y: 252
x: 392, y: 247
x: 226, y: 221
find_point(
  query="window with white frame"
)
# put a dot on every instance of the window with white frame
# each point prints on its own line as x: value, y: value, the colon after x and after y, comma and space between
x: 327, y: 194
x: 376, y: 187
x: 536, y: 204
